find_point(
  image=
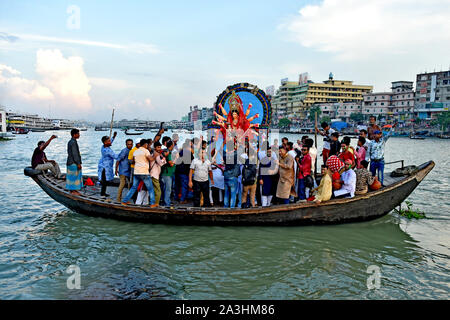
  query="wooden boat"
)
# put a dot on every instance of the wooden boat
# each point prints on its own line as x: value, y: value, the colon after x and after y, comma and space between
x: 416, y: 137
x: 133, y: 133
x: 369, y: 206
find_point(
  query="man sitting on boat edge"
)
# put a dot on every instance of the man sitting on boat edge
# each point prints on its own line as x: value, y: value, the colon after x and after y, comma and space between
x: 39, y: 159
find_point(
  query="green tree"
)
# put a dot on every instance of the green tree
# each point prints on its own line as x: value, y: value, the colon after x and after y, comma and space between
x: 444, y: 120
x: 357, y: 117
x: 284, y: 123
x: 312, y: 112
x: 326, y: 119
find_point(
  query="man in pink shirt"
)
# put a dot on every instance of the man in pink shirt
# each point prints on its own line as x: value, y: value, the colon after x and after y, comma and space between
x: 155, y: 169
x: 360, y: 152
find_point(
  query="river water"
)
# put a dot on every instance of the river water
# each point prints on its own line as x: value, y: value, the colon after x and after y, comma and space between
x: 40, y: 239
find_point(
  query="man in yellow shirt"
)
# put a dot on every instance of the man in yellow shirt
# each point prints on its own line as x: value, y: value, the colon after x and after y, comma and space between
x: 325, y: 189
x: 130, y: 158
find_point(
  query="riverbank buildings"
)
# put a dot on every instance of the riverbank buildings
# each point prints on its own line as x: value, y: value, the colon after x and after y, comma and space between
x: 432, y: 94
x: 397, y: 104
x: 294, y: 99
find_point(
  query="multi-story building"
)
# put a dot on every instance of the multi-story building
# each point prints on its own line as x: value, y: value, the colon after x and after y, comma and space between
x: 432, y: 94
x: 288, y: 101
x: 206, y: 113
x: 342, y: 111
x: 402, y: 102
x: 293, y: 99
x: 332, y: 91
x: 397, y: 104
x: 197, y: 113
x: 193, y: 114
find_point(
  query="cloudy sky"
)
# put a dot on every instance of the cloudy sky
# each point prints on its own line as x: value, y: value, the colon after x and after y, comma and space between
x: 153, y: 59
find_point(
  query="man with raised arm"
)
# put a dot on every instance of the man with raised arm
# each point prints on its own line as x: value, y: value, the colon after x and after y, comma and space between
x: 39, y: 159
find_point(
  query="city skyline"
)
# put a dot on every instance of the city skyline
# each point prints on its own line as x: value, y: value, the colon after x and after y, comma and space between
x: 156, y: 59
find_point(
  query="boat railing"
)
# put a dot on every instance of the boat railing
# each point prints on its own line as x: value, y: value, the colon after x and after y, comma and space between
x: 401, y: 161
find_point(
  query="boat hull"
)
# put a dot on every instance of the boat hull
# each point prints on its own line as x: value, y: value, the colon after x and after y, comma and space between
x: 360, y: 208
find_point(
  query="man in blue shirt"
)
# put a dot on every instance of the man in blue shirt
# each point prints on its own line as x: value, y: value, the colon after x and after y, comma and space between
x: 106, y: 163
x: 123, y: 168
x: 375, y: 153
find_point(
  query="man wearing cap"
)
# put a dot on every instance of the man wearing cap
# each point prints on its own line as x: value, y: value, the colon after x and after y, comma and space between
x: 123, y: 168
x: 348, y: 178
x: 375, y: 153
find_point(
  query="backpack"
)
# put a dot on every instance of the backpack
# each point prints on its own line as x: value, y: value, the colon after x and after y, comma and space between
x: 249, y: 174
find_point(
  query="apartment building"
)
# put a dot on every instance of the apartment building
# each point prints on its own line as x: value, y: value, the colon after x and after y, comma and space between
x: 395, y: 104
x: 432, y: 94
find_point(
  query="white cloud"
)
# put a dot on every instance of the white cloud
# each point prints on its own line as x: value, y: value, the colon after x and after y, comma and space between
x: 60, y: 82
x: 13, y: 86
x: 66, y: 78
x: 364, y: 30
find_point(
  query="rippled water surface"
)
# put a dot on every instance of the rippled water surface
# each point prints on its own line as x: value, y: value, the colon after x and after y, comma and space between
x: 39, y: 239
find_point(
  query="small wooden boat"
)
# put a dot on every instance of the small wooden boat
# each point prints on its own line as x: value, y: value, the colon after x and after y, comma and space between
x: 369, y: 206
x: 100, y: 129
x: 416, y: 137
x: 133, y: 133
x: 21, y: 131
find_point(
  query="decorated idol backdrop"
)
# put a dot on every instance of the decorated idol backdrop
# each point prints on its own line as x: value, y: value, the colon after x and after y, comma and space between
x: 242, y: 110
x: 241, y: 95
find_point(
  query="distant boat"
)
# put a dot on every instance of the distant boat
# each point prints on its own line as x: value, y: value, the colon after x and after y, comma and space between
x: 101, y: 129
x: 133, y: 133
x: 18, y: 130
x: 83, y: 129
x: 415, y: 135
x: 37, y: 130
x: 21, y: 131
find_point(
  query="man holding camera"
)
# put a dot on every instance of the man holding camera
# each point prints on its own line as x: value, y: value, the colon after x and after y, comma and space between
x: 158, y: 160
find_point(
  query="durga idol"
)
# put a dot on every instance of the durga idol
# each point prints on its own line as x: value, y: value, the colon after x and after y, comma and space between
x: 235, y: 119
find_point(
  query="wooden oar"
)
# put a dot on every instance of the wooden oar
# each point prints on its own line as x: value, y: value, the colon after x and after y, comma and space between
x: 315, y: 142
x: 112, y: 120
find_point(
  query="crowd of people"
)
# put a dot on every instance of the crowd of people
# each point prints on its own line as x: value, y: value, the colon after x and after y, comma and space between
x: 160, y: 172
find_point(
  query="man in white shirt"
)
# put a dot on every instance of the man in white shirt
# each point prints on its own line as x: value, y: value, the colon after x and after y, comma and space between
x: 363, y: 133
x: 326, y: 133
x: 200, y: 183
x: 348, y: 178
x: 142, y: 160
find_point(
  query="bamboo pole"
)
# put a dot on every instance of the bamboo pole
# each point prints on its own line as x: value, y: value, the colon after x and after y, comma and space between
x: 112, y: 121
x: 315, y: 142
